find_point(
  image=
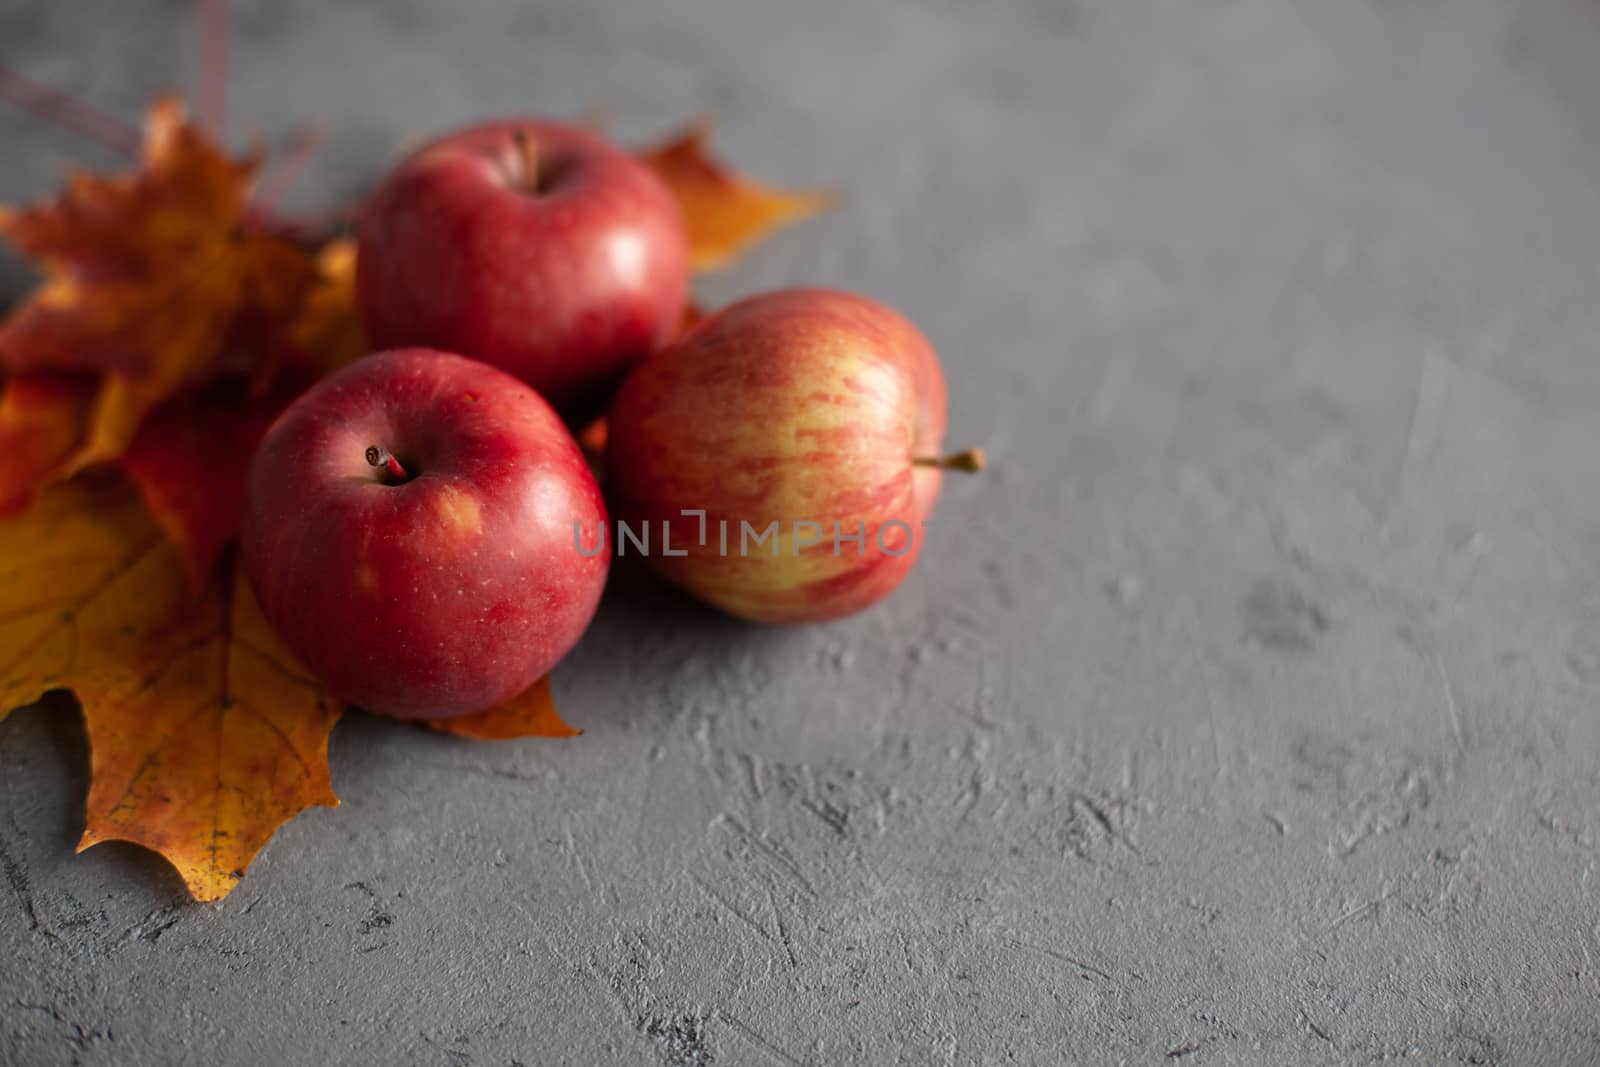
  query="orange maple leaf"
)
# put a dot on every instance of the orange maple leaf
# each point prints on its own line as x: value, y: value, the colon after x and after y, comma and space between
x: 724, y: 211
x: 329, y: 330
x: 155, y: 281
x: 592, y: 435
x: 532, y: 714
x: 42, y: 419
x: 190, y: 456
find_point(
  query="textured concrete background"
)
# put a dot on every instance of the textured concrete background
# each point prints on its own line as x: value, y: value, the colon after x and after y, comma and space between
x: 1244, y: 713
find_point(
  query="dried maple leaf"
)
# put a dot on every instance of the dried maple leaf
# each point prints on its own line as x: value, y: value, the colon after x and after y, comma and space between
x: 205, y: 733
x: 155, y: 281
x: 44, y: 416
x: 190, y: 456
x: 725, y: 211
x: 532, y: 714
x: 78, y: 575
x: 592, y: 435
x: 329, y: 330
x: 226, y: 740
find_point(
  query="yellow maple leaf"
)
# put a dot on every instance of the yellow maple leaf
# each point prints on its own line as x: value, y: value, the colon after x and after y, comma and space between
x: 725, y: 212
x: 205, y: 733
x: 78, y: 574
x: 225, y: 740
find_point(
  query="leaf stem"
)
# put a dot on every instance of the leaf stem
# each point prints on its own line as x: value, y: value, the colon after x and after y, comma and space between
x: 211, y: 65
x: 55, y: 106
x: 283, y: 172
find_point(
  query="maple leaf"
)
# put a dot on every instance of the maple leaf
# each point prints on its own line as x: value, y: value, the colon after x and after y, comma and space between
x: 592, y: 435
x: 155, y: 281
x: 43, y: 418
x: 725, y: 212
x: 73, y: 572
x: 190, y: 456
x: 205, y: 733
x: 532, y: 714
x: 329, y: 330
x: 226, y: 740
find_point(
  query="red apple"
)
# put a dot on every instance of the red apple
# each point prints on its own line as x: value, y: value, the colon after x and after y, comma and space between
x: 535, y: 247
x: 408, y: 530
x: 817, y: 412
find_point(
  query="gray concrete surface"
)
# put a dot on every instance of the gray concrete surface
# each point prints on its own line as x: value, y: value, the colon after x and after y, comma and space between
x: 1246, y: 712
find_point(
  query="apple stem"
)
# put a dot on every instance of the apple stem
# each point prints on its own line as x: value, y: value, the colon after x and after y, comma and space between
x: 380, y: 457
x: 969, y: 462
x: 527, y: 159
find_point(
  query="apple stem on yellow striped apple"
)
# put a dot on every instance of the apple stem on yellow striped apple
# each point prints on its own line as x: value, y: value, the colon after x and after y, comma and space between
x: 969, y: 462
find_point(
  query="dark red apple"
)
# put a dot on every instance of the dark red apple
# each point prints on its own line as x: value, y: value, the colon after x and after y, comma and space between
x: 805, y: 425
x: 535, y: 247
x: 408, y: 530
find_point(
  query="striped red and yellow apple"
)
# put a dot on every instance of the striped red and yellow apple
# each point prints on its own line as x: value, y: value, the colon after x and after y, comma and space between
x: 818, y: 410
